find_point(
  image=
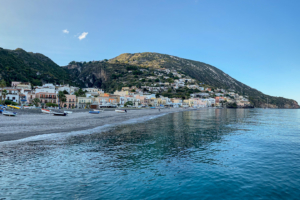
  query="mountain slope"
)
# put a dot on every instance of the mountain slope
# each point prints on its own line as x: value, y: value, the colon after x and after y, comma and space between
x: 204, y: 73
x: 19, y: 65
x: 105, y: 75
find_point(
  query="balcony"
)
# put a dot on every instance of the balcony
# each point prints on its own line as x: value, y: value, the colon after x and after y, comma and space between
x: 47, y: 97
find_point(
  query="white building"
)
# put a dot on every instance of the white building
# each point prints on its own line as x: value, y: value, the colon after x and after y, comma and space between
x: 48, y: 88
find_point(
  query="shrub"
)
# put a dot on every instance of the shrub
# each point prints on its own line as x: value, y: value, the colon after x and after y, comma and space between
x: 131, y: 68
x: 49, y: 104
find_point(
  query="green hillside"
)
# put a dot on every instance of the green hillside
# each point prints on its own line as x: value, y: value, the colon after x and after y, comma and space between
x: 125, y: 70
x: 19, y: 65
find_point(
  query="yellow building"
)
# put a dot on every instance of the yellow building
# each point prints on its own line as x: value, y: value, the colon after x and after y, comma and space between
x: 82, y: 102
x: 121, y: 93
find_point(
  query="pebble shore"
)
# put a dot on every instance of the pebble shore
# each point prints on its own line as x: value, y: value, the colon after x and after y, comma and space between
x: 27, y: 125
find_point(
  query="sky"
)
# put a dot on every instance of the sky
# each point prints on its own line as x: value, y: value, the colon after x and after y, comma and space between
x: 256, y: 42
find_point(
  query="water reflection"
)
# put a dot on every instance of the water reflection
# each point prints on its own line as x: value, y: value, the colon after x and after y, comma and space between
x: 159, y: 158
x: 129, y: 146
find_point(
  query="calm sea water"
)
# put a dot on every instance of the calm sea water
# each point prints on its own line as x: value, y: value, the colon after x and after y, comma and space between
x: 203, y: 154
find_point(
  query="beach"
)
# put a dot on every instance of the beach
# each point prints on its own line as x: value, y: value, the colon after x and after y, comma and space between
x: 33, y: 124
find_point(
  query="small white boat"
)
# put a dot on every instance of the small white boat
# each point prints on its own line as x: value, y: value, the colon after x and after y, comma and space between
x: 59, y: 113
x: 68, y: 112
x: 46, y: 111
x: 8, y: 113
x: 120, y: 111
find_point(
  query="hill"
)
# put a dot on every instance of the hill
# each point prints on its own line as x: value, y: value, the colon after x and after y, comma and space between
x: 19, y: 65
x: 204, y: 73
x: 127, y: 70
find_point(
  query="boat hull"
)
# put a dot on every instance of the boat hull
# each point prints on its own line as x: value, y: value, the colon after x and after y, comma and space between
x: 120, y: 111
x: 46, y: 111
x: 7, y: 113
x: 94, y: 112
x: 59, y: 114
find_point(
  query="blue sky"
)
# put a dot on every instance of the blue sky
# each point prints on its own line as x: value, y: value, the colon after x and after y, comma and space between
x: 256, y: 42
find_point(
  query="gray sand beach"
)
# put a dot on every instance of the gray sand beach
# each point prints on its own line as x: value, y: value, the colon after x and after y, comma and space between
x: 27, y: 125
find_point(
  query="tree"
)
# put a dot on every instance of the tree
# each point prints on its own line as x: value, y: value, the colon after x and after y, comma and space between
x: 2, y: 85
x: 170, y: 80
x: 137, y: 72
x: 61, y: 97
x: 157, y: 95
x: 36, y: 102
x: 128, y: 103
x: 4, y: 93
x: 65, y: 92
x: 88, y: 105
x: 80, y: 93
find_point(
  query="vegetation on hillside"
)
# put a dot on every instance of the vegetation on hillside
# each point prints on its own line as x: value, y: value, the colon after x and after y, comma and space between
x: 202, y: 72
x: 113, y: 76
x: 125, y: 70
x: 19, y: 65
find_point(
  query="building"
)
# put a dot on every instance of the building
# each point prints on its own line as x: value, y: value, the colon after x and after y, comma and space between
x: 21, y: 85
x: 83, y: 102
x: 13, y: 94
x: 46, y: 97
x: 121, y: 93
x: 46, y: 88
x: 70, y: 101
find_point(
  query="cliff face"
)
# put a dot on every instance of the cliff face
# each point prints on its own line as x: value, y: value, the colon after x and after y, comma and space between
x: 96, y: 74
x: 89, y: 75
x: 288, y: 105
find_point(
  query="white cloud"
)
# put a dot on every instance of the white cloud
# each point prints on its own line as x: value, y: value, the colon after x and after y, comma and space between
x: 83, y: 35
x: 66, y: 31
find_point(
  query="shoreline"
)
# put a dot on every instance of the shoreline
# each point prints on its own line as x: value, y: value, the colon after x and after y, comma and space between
x: 30, y: 125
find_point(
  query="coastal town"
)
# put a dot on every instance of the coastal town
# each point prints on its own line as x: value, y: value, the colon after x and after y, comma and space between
x: 25, y: 95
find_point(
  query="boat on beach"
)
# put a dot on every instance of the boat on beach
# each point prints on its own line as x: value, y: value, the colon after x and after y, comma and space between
x: 15, y: 107
x: 46, y: 111
x: 9, y: 113
x: 120, y: 111
x: 94, y: 112
x: 59, y: 113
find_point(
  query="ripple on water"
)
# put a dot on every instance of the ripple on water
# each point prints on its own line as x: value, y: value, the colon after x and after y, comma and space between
x: 209, y: 153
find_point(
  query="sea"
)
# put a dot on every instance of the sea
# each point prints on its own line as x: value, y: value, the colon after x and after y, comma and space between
x: 197, y: 154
